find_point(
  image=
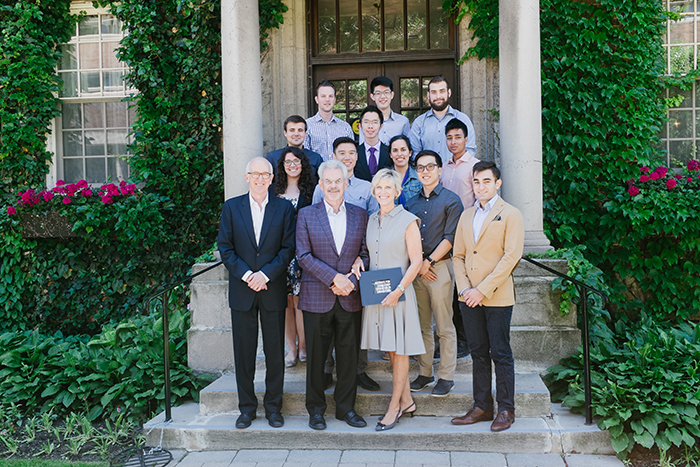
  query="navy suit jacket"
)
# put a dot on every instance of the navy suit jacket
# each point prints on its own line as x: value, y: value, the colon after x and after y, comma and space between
x: 240, y: 253
x: 362, y: 168
x: 320, y: 261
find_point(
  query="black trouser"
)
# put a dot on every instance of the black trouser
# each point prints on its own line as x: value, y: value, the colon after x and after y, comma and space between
x: 244, y: 325
x: 320, y: 329
x: 488, y: 332
x: 457, y: 318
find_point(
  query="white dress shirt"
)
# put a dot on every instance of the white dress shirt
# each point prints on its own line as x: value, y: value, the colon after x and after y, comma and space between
x: 257, y: 211
x: 480, y: 216
x: 339, y: 224
x: 376, y: 152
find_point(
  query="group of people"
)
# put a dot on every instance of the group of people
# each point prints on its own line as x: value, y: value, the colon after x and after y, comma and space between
x: 323, y: 210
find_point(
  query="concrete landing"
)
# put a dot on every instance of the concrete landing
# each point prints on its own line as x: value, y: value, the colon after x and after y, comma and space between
x: 560, y: 433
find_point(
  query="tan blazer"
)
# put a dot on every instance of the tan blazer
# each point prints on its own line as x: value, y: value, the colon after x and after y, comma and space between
x: 488, y: 265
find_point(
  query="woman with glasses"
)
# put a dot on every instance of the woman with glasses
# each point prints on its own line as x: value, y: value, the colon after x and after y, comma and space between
x: 401, y: 152
x: 295, y: 182
x: 394, y: 241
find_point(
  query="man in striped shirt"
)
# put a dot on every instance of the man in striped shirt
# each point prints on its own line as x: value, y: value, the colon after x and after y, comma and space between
x: 324, y: 127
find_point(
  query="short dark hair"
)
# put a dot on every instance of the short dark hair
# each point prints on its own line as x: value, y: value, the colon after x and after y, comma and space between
x: 381, y: 81
x: 403, y: 137
x: 487, y: 165
x: 372, y: 109
x: 456, y: 124
x: 438, y: 79
x: 428, y: 152
x: 343, y: 140
x: 325, y: 83
x: 295, y: 119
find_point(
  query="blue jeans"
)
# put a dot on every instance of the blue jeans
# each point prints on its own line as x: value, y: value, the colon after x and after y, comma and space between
x: 488, y: 334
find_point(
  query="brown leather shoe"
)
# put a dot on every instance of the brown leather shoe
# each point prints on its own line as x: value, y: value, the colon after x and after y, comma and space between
x: 473, y: 416
x: 503, y: 421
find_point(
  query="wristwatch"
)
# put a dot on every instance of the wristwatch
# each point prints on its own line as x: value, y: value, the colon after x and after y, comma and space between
x: 432, y: 261
x: 401, y: 288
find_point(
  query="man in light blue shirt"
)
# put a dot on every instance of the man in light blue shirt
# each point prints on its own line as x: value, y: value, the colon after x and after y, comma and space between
x: 324, y: 127
x: 381, y: 91
x: 428, y: 129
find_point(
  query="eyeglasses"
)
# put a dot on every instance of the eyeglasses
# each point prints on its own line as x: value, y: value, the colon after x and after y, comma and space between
x: 292, y: 162
x: 264, y: 175
x: 372, y: 123
x: 423, y: 168
x: 386, y: 93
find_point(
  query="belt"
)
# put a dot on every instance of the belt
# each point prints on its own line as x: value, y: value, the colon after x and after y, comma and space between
x: 447, y: 256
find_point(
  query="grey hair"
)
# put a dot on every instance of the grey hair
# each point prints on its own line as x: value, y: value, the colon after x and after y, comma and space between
x: 392, y: 175
x: 333, y: 164
x: 247, y: 166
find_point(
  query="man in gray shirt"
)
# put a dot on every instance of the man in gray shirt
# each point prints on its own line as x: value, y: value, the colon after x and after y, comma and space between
x: 438, y: 210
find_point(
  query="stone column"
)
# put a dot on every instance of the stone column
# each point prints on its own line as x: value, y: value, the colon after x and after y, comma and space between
x: 521, y: 114
x: 242, y: 94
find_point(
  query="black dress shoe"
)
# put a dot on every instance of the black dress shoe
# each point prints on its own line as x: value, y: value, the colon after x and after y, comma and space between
x: 244, y: 420
x: 317, y: 422
x: 327, y: 380
x: 462, y: 349
x: 353, y: 419
x: 275, y: 419
x: 366, y: 382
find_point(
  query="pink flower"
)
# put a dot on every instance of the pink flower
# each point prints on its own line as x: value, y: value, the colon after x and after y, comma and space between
x: 60, y: 183
x: 11, y: 211
x: 107, y: 200
x: 645, y: 169
x: 47, y: 196
x: 86, y: 192
x: 633, y: 191
x: 644, y: 178
x: 690, y: 179
x: 66, y: 200
x: 678, y: 176
x: 693, y: 165
x: 122, y: 183
x: 662, y: 171
x: 655, y: 176
x: 671, y: 183
x: 82, y: 184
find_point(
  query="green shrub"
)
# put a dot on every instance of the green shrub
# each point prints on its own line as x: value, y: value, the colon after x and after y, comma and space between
x: 117, y: 371
x: 645, y: 384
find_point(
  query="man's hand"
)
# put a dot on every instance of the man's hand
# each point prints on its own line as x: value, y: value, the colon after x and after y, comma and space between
x: 427, y: 272
x: 257, y: 282
x: 472, y: 297
x: 357, y: 266
x: 342, y: 284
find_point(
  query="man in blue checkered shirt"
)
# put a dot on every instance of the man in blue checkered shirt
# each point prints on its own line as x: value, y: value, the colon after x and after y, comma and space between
x: 324, y: 127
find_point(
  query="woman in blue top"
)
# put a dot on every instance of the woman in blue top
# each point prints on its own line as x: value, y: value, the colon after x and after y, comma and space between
x: 401, y: 153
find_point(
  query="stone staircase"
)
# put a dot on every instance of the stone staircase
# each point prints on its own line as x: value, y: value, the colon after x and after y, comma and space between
x: 540, y: 336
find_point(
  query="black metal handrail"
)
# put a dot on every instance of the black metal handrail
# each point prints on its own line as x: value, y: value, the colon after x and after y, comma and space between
x: 583, y: 294
x: 166, y: 328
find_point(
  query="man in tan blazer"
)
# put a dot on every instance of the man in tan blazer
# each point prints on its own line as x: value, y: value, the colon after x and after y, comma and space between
x: 488, y: 247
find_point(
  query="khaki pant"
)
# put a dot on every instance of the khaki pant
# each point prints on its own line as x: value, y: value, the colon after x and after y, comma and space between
x: 435, y: 302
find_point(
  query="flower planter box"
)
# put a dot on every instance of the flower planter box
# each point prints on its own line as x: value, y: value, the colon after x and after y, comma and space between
x: 46, y: 225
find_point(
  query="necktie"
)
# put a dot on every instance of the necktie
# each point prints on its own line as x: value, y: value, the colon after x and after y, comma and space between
x: 372, y: 161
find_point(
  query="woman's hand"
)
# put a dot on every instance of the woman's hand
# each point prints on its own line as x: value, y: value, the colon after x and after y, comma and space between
x: 393, y: 298
x: 357, y: 266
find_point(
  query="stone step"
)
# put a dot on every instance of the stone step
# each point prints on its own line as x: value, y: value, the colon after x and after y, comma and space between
x: 560, y: 432
x: 531, y: 397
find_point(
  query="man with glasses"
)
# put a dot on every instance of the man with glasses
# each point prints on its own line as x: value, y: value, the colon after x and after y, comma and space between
x: 428, y: 129
x: 324, y: 127
x: 381, y: 91
x: 295, y: 134
x: 330, y: 245
x: 438, y: 210
x: 256, y: 242
x: 373, y: 155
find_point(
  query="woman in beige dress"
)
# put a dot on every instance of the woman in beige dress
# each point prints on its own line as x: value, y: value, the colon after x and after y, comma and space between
x: 393, y: 240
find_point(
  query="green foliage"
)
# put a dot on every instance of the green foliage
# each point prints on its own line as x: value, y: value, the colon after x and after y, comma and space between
x: 30, y: 33
x: 645, y: 385
x: 483, y: 22
x: 118, y: 371
x: 270, y: 18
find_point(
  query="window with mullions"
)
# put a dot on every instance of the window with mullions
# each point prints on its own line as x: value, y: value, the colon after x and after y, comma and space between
x: 93, y: 130
x: 681, y: 134
x: 359, y: 26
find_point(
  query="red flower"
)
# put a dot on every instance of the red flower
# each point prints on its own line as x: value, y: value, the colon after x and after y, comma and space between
x: 82, y: 184
x: 47, y: 196
x: 644, y: 178
x: 107, y: 200
x: 678, y: 176
x: 645, y: 169
x: 671, y: 183
x: 662, y: 171
x: 86, y: 192
x: 690, y: 179
x: 11, y: 210
x: 633, y: 191
x: 66, y: 200
x: 693, y: 165
x: 60, y: 183
x: 655, y: 175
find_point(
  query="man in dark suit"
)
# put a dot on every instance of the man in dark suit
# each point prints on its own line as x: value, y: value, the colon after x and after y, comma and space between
x: 256, y: 241
x: 330, y: 245
x: 295, y: 134
x: 372, y: 155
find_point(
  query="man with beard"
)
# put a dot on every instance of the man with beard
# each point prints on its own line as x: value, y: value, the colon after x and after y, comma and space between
x: 428, y: 130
